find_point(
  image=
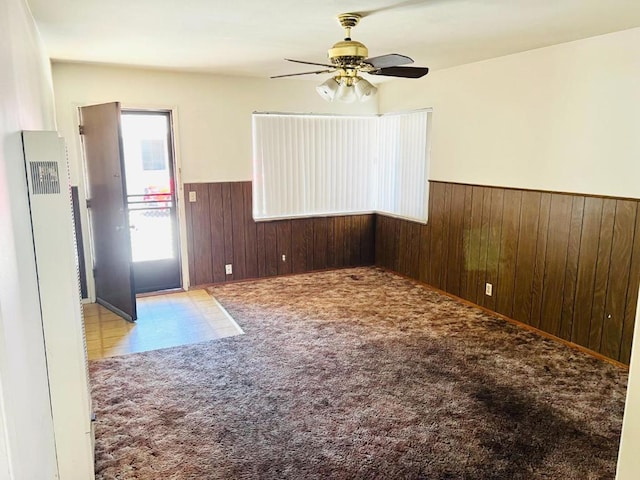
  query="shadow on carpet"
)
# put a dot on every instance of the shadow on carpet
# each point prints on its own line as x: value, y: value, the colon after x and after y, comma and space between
x: 357, y: 374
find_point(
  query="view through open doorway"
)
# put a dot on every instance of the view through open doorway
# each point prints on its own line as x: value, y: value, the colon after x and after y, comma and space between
x: 151, y: 201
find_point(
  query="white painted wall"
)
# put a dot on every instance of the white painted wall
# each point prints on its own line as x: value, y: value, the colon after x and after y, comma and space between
x: 27, y: 448
x: 563, y: 118
x: 628, y: 459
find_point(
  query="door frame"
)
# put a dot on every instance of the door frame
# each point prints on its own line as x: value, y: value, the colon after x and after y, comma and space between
x: 179, y: 184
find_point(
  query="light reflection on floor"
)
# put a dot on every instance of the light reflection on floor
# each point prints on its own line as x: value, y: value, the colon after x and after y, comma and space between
x: 163, y: 321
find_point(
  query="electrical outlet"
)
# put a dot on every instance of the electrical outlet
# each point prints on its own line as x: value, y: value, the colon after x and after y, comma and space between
x: 284, y: 257
x: 228, y: 269
x: 488, y: 289
x: 192, y: 197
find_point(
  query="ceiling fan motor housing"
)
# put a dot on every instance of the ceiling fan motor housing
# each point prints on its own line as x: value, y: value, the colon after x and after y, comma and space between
x: 348, y: 53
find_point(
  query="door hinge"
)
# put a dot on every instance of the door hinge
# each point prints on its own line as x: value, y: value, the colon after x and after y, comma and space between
x: 88, y: 203
x: 81, y: 129
x: 94, y: 270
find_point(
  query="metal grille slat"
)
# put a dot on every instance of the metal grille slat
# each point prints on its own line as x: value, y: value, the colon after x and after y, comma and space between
x: 45, y: 179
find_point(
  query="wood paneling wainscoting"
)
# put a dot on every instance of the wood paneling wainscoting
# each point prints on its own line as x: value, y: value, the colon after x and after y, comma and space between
x: 563, y: 263
x: 221, y: 230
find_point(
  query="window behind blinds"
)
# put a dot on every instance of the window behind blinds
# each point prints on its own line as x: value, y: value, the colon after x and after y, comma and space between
x: 311, y: 165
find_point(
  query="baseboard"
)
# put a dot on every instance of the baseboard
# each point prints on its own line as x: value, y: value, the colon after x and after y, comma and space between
x: 242, y: 280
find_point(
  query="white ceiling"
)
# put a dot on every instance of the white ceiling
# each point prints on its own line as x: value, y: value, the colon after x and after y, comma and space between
x: 252, y: 37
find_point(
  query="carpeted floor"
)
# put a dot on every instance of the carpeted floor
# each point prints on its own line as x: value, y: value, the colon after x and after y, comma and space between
x: 357, y: 374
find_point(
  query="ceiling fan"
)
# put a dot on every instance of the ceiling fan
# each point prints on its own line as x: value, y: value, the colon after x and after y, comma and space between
x: 348, y: 59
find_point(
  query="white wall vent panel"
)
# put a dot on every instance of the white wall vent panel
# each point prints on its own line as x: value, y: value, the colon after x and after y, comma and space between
x: 59, y: 290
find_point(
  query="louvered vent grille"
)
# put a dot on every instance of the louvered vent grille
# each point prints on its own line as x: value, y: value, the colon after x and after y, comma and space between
x: 45, y: 179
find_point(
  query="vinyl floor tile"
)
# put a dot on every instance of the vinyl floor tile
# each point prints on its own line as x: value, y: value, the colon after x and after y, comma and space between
x: 163, y: 321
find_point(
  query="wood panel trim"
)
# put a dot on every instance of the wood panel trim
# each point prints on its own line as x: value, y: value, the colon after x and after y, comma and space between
x: 221, y: 230
x: 77, y: 227
x: 522, y: 189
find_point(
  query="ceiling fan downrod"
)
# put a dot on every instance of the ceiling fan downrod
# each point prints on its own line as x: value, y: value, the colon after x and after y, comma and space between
x: 348, y: 21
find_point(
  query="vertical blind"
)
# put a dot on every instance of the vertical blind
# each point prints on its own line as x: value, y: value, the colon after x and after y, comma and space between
x: 402, y: 184
x: 311, y: 165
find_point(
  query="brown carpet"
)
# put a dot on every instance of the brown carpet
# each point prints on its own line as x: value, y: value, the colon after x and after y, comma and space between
x: 357, y: 374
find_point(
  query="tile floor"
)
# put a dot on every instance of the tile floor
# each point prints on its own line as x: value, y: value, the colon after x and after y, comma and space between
x: 163, y: 321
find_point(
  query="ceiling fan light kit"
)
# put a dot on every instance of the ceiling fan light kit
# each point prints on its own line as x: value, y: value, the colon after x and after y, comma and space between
x: 364, y: 90
x: 346, y: 89
x: 328, y: 89
x: 348, y: 59
x: 345, y: 93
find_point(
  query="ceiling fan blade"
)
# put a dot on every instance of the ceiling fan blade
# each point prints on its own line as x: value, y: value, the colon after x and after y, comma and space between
x: 302, y: 73
x: 405, y: 72
x: 310, y: 63
x: 391, y: 60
